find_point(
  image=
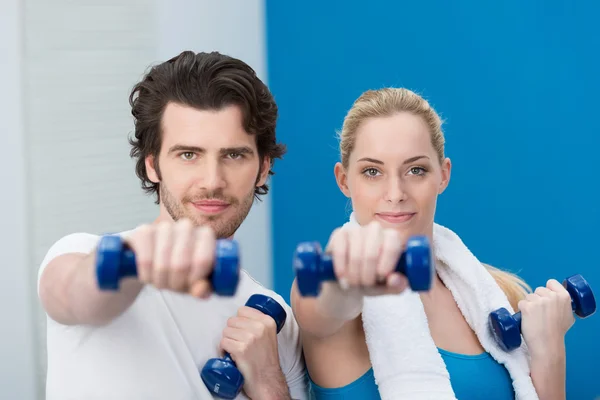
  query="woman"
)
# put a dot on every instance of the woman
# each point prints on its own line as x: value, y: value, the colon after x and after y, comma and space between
x: 393, y: 168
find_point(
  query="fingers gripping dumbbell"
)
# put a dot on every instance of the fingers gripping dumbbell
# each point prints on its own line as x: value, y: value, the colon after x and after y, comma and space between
x: 115, y: 261
x: 312, y: 267
x: 506, y: 328
x: 220, y: 375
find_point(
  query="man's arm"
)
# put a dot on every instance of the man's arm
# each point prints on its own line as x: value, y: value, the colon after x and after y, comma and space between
x: 70, y: 294
x: 291, y: 356
x: 68, y: 289
x: 176, y: 256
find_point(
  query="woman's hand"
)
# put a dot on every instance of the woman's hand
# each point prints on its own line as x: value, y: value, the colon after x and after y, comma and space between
x: 365, y: 258
x: 546, y: 317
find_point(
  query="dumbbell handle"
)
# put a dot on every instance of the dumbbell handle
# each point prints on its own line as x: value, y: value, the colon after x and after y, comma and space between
x: 128, y: 266
x: 517, y: 316
x: 327, y: 272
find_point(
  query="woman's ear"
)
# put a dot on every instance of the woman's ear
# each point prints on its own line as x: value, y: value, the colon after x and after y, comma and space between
x: 446, y: 170
x: 341, y: 178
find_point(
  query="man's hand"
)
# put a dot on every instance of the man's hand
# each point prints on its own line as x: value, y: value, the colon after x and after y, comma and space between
x: 175, y: 255
x: 251, y: 339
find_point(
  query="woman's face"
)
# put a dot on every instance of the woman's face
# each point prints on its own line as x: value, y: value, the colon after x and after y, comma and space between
x: 394, y: 175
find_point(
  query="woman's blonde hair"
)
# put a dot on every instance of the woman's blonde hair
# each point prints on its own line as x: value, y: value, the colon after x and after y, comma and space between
x: 388, y: 101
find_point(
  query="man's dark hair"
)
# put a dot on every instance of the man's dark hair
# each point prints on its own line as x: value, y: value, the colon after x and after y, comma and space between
x: 205, y: 81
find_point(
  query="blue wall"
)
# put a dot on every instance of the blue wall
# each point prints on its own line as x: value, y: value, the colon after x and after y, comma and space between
x: 517, y: 83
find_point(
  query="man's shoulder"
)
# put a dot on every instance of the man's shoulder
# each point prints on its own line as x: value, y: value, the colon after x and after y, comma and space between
x: 249, y: 286
x: 78, y: 242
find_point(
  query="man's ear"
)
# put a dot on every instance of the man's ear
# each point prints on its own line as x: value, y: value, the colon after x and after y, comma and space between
x: 265, y: 167
x: 341, y: 178
x: 152, y: 173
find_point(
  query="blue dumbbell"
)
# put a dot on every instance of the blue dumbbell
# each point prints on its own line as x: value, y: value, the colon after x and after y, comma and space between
x: 506, y: 328
x: 115, y: 261
x: 312, y: 267
x: 220, y: 375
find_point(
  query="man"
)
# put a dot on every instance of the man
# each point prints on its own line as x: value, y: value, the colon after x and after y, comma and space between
x: 204, y: 145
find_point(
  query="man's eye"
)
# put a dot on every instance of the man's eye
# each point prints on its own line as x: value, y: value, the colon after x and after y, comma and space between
x: 188, y: 155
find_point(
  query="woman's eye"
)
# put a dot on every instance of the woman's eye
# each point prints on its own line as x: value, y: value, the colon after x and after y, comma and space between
x: 371, y: 172
x: 417, y: 171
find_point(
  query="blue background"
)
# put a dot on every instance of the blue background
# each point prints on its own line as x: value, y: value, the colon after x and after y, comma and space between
x: 516, y: 82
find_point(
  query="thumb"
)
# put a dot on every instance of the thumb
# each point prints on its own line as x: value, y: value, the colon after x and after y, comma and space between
x: 200, y: 289
x: 396, y: 283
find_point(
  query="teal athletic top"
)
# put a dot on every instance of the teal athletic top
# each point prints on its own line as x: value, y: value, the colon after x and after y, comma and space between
x: 473, y: 377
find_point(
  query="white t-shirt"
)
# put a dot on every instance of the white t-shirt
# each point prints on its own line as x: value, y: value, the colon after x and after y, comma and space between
x: 155, y: 349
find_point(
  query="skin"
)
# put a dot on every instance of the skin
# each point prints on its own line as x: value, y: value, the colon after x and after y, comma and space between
x: 206, y: 156
x: 393, y: 178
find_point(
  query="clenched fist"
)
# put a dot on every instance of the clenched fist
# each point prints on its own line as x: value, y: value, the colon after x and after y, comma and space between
x: 175, y: 255
x: 546, y: 317
x: 365, y: 259
x: 251, y: 340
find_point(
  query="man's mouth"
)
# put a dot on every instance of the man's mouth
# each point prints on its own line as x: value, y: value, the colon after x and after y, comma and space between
x: 211, y: 206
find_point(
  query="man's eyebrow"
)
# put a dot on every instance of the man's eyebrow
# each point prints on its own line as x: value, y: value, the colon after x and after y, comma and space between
x: 238, y: 150
x: 184, y: 148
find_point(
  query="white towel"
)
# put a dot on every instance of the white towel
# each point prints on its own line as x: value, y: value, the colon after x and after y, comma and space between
x: 405, y: 360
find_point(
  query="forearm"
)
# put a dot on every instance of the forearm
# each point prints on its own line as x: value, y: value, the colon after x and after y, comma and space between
x: 71, y: 296
x: 272, y: 388
x: 329, y: 312
x: 338, y: 304
x: 548, y: 373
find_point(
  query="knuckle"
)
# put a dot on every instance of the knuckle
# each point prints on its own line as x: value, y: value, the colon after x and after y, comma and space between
x: 206, y: 232
x: 336, y: 233
x: 184, y: 223
x: 551, y: 282
x: 531, y: 297
x: 270, y: 323
x: 338, y: 252
x: 392, y: 241
x: 261, y: 329
x: 223, y: 345
x: 203, y: 259
x: 243, y: 311
x: 539, y: 290
x: 163, y: 227
x: 391, y: 235
x: 142, y: 232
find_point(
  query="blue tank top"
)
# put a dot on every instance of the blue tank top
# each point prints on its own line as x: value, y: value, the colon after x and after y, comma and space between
x: 473, y: 377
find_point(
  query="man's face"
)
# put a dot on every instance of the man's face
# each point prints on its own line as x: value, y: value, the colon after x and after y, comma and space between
x: 208, y: 167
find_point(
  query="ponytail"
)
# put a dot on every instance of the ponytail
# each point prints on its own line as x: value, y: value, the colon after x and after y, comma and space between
x: 513, y: 287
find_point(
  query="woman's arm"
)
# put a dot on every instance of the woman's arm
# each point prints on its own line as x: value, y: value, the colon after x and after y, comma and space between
x: 546, y: 318
x: 548, y: 373
x: 333, y: 339
x: 326, y: 314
